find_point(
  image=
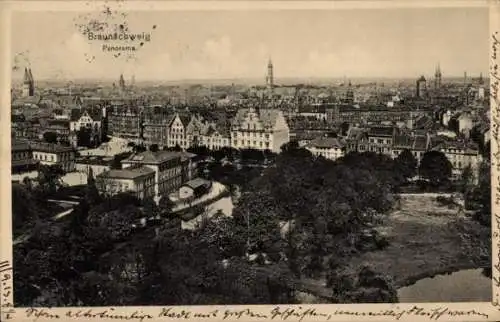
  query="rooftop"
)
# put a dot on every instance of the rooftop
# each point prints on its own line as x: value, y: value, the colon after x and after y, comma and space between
x: 326, y: 143
x: 129, y: 173
x: 50, y: 147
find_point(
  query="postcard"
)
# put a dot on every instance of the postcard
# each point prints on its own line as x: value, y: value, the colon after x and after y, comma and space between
x: 250, y: 160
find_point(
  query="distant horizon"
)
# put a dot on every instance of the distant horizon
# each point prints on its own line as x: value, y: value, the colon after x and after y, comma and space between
x: 253, y: 79
x: 185, y: 45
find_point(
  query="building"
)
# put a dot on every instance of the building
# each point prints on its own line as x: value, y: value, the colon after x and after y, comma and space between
x: 171, y: 169
x: 327, y: 147
x: 139, y: 180
x: 421, y: 87
x: 194, y: 188
x: 260, y: 129
x: 380, y: 139
x: 461, y: 154
x: 417, y: 145
x: 22, y: 157
x: 270, y: 78
x: 216, y: 138
x: 28, y: 83
x: 156, y: 127
x: 437, y: 78
x: 54, y: 154
x: 125, y: 121
x: 465, y: 124
x: 98, y: 164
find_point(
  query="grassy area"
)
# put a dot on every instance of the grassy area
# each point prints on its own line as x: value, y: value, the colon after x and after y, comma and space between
x: 426, y: 239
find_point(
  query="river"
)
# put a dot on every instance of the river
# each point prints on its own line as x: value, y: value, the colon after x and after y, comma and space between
x: 468, y: 285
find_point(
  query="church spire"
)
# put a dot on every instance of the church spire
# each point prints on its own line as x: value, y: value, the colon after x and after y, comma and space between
x: 26, y: 79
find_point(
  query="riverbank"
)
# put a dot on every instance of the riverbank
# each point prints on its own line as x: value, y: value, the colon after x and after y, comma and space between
x: 427, y: 239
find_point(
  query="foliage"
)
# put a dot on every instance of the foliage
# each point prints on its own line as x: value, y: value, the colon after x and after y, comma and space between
x: 153, y: 148
x: 406, y: 164
x: 435, y: 167
x: 49, y: 179
x: 117, y: 159
x: 479, y: 197
x: 50, y: 137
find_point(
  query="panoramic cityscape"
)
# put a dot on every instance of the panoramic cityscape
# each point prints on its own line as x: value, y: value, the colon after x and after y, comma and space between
x: 157, y: 164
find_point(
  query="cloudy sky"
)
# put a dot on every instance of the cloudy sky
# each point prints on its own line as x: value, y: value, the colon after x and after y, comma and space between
x: 234, y: 44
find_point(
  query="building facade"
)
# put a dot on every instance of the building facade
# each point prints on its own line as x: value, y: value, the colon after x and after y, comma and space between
x: 53, y: 154
x: 139, y: 181
x: 171, y: 169
x: 328, y: 148
x: 260, y: 129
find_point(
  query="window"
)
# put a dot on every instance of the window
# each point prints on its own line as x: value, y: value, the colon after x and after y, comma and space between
x: 267, y: 144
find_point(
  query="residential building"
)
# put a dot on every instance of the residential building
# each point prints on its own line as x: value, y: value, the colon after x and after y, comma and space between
x: 380, y: 139
x: 156, y: 127
x: 327, y: 147
x: 21, y: 157
x: 171, y: 169
x: 90, y: 119
x: 138, y: 180
x: 54, y: 154
x: 417, y: 145
x: 461, y: 154
x: 125, y: 121
x: 177, y: 134
x: 261, y: 129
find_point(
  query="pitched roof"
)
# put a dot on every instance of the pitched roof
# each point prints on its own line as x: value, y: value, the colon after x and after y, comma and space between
x: 128, y: 173
x: 403, y: 142
x: 268, y: 117
x: 326, y: 143
x: 381, y: 131
x: 197, y: 183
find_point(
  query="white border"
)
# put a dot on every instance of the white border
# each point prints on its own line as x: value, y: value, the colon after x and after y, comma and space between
x: 358, y: 312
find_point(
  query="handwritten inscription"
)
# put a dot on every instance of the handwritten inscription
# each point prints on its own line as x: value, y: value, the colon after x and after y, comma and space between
x: 277, y: 313
x: 7, y: 310
x: 495, y: 162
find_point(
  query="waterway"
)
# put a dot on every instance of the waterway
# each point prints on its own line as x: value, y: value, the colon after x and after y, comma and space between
x: 468, y: 285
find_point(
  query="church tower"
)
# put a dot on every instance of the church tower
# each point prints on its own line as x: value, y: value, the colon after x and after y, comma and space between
x: 121, y: 83
x: 270, y: 77
x: 28, y: 83
x: 349, y: 97
x: 437, y: 77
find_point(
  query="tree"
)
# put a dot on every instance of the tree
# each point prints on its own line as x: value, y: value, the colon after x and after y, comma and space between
x: 406, y: 164
x: 92, y: 196
x: 50, y: 137
x: 153, y: 148
x: 84, y: 137
x: 466, y: 179
x: 435, y: 167
x: 49, y: 178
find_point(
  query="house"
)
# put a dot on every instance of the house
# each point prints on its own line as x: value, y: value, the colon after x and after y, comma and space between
x: 327, y: 147
x: 125, y: 120
x: 21, y: 157
x: 54, y: 154
x: 260, y: 129
x: 461, y: 154
x: 177, y: 134
x: 156, y: 126
x: 380, y: 139
x: 90, y: 119
x: 138, y: 180
x: 171, y: 169
x: 417, y: 145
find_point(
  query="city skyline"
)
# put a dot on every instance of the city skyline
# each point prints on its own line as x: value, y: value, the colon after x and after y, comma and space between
x: 406, y: 43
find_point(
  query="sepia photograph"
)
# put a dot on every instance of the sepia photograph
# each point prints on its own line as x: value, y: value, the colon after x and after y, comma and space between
x: 242, y: 157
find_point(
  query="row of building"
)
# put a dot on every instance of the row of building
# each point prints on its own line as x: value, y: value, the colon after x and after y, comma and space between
x: 147, y: 174
x: 391, y: 141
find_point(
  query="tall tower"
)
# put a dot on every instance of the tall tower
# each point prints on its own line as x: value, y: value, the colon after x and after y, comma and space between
x: 349, y: 94
x: 121, y: 83
x: 28, y: 83
x: 465, y: 78
x: 270, y: 77
x: 421, y: 87
x: 437, y: 77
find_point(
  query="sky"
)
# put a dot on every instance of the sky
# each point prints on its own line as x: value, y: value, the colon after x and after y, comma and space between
x: 237, y: 44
